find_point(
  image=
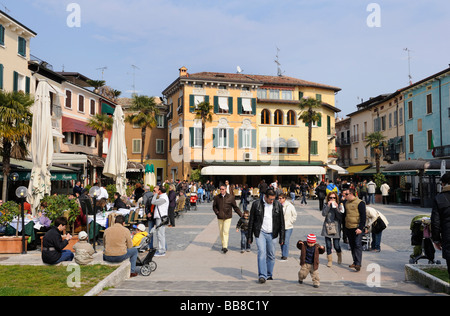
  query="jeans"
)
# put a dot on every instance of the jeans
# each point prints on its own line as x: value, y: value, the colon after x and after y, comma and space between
x: 66, y: 255
x: 285, y: 246
x: 303, y: 198
x: 151, y: 223
x: 161, y: 235
x: 244, y: 243
x: 336, y: 244
x: 266, y: 255
x: 132, y: 253
x: 355, y: 242
x: 376, y: 241
x: 371, y: 198
x: 292, y: 194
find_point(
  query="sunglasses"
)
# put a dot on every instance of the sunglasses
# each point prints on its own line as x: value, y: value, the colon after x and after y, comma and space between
x: 332, y: 198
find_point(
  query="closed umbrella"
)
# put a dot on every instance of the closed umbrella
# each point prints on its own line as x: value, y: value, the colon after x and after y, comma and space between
x: 147, y: 175
x: 116, y: 160
x: 152, y: 175
x: 41, y: 146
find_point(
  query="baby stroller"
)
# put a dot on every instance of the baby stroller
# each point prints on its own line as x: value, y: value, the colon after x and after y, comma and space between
x: 421, y: 240
x: 193, y: 200
x: 367, y: 241
x: 145, y: 256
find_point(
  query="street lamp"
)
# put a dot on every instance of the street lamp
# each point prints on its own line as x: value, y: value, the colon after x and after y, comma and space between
x: 21, y: 193
x: 94, y: 192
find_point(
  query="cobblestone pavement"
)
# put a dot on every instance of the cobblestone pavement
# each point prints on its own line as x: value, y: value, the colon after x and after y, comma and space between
x: 194, y: 265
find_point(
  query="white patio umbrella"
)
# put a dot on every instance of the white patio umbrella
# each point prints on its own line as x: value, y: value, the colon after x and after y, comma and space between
x: 41, y: 146
x: 116, y: 160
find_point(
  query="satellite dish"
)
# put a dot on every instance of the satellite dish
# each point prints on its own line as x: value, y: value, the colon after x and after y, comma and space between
x: 239, y: 70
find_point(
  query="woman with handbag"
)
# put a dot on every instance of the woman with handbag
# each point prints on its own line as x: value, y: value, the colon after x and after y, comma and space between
x: 332, y: 226
x: 375, y: 224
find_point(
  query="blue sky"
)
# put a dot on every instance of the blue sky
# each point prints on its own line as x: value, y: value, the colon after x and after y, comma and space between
x: 324, y: 41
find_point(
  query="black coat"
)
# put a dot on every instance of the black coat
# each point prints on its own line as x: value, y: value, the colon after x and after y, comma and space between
x: 440, y: 221
x: 118, y: 203
x: 257, y: 217
x: 53, y: 239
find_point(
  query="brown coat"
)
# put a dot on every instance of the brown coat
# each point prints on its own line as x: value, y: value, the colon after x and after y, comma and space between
x: 117, y: 240
x: 318, y: 251
x: 223, y: 206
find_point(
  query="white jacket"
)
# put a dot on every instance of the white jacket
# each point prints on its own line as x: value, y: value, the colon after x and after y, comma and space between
x: 371, y: 186
x: 290, y: 215
x: 384, y: 189
x: 372, y: 215
x: 162, y: 204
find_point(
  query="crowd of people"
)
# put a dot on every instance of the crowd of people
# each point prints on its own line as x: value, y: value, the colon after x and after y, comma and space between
x: 347, y: 209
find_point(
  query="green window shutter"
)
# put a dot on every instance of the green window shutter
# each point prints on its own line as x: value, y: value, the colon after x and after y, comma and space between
x: 300, y: 95
x: 207, y: 98
x: 2, y: 35
x: 22, y: 46
x: 230, y: 105
x: 230, y: 136
x: 318, y: 97
x: 319, y: 124
x: 215, y: 137
x: 216, y: 104
x: 191, y: 103
x: 191, y: 137
x: 15, y: 81
x: 27, y: 85
x: 314, y: 148
x: 1, y: 77
x: 239, y: 104
x: 253, y: 138
x: 240, y: 140
x: 254, y: 106
x: 328, y: 125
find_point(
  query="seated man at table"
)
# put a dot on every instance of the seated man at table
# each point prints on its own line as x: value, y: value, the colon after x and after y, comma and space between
x: 54, y: 243
x: 118, y: 203
x: 118, y: 244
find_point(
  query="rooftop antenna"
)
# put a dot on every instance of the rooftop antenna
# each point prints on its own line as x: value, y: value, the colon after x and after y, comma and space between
x: 134, y: 78
x: 6, y: 9
x: 103, y: 70
x: 280, y: 73
x: 239, y: 69
x: 409, y: 65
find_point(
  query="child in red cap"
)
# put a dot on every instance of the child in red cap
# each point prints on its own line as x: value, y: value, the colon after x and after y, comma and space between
x: 309, y: 259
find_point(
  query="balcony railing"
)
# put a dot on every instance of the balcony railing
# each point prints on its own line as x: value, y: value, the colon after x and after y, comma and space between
x: 343, y: 141
x: 443, y: 151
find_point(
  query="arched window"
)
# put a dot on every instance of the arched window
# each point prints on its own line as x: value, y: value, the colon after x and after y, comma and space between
x: 291, y: 117
x: 265, y: 116
x: 278, y: 118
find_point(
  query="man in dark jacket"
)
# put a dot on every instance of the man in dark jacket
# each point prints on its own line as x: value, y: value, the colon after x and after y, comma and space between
x: 223, y: 206
x: 118, y: 203
x: 440, y: 220
x: 54, y: 243
x: 266, y: 223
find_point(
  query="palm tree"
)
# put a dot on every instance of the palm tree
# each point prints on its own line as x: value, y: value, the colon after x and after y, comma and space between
x: 203, y: 112
x: 309, y: 116
x: 145, y: 110
x: 15, y: 127
x: 96, y: 84
x: 376, y: 140
x: 116, y: 94
x: 101, y: 123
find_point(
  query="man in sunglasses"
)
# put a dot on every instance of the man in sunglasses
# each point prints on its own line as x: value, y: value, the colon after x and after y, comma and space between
x: 355, y: 220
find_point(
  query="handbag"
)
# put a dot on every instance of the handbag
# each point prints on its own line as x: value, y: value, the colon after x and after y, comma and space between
x: 378, y: 226
x: 331, y: 228
x: 164, y: 219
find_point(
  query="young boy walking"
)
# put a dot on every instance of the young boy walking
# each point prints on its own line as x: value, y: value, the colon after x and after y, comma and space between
x: 309, y: 259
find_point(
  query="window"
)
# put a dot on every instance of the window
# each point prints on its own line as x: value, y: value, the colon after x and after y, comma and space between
x: 291, y: 117
x: 278, y: 119
x: 429, y: 104
x: 355, y: 153
x: 430, y: 141
x: 80, y: 103
x: 137, y: 146
x: 68, y: 99
x: 395, y: 118
x: 318, y: 97
x: 197, y: 137
x: 410, y: 110
x: 400, y: 116
x: 21, y: 83
x: 160, y: 121
x: 286, y: 95
x: 245, y: 105
x: 383, y: 123
x: 2, y: 35
x: 92, y: 109
x: 390, y: 120
x: 274, y: 94
x: 314, y: 150
x: 223, y: 132
x: 160, y: 146
x: 262, y: 93
x: 246, y: 138
x: 22, y: 46
x: 411, y: 143
x: 265, y: 116
x: 223, y: 105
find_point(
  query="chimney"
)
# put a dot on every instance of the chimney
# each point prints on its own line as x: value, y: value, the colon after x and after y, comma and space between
x: 183, y: 72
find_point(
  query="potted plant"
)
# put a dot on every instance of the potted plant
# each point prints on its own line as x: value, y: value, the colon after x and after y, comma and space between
x: 379, y: 179
x: 8, y: 211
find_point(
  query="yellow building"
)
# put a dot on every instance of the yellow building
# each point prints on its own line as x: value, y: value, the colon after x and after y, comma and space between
x: 255, y: 132
x: 14, y: 55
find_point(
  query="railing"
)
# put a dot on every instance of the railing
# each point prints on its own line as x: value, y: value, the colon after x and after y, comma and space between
x: 443, y: 151
x: 343, y: 141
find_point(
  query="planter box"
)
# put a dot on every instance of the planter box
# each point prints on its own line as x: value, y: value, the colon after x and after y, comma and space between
x: 414, y: 272
x: 11, y: 245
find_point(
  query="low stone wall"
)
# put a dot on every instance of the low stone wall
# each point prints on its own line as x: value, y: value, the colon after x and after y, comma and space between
x: 414, y: 272
x: 118, y: 276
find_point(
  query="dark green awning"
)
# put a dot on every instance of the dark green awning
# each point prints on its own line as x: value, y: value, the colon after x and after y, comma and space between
x: 107, y: 109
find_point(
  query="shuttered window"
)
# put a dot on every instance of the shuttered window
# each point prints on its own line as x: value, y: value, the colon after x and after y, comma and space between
x: 22, y: 47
